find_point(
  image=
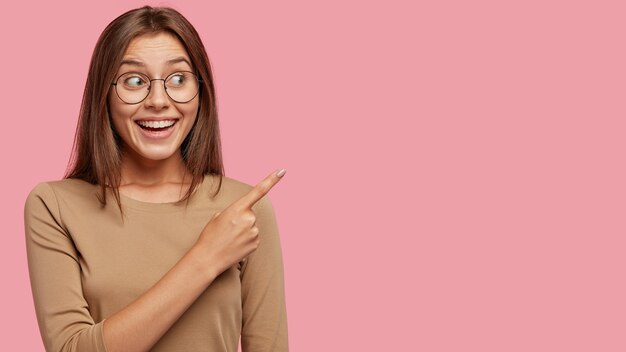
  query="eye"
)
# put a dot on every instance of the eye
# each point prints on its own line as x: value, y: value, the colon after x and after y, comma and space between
x: 176, y: 80
x: 133, y: 81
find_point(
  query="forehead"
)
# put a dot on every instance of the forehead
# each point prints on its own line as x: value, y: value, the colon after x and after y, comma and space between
x: 155, y: 49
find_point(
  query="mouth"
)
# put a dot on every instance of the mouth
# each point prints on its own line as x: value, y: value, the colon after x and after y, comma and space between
x: 157, y: 129
x: 156, y: 125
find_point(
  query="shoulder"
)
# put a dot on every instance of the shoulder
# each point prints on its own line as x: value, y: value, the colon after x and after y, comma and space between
x: 232, y: 189
x: 56, y: 193
x: 40, y: 195
x: 235, y: 187
x: 70, y: 185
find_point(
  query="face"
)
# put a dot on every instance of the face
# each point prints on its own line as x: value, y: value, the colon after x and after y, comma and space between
x: 155, y: 128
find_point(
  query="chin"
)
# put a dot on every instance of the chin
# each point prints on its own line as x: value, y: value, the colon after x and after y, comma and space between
x: 156, y: 155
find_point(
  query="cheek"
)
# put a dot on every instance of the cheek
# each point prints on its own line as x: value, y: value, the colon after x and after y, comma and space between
x: 120, y: 113
x: 191, y: 109
x: 191, y: 113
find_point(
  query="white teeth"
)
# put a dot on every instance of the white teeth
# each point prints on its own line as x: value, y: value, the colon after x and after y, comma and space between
x: 157, y: 124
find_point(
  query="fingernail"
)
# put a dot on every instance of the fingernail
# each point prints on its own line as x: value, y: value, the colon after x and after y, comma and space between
x: 281, y: 173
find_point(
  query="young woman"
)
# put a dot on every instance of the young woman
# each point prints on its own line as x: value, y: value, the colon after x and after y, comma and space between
x: 185, y: 258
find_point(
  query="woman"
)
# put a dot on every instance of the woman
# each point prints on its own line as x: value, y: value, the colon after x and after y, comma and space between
x: 185, y: 259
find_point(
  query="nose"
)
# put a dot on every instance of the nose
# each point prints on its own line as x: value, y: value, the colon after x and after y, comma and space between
x: 157, y: 96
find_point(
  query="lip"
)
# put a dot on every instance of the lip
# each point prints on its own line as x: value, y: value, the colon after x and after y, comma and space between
x: 157, y: 135
x: 156, y: 118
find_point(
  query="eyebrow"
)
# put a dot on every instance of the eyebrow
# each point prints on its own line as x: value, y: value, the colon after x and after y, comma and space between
x: 177, y: 60
x: 168, y: 62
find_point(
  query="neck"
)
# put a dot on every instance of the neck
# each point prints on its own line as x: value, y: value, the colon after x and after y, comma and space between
x: 146, y: 172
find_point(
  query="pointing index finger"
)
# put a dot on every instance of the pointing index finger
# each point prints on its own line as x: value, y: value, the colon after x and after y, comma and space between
x: 261, y: 189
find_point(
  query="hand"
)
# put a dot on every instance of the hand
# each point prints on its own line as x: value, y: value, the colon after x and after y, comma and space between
x: 231, y: 234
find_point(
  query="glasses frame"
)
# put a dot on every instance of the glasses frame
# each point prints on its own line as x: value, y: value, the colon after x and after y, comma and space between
x: 150, y: 80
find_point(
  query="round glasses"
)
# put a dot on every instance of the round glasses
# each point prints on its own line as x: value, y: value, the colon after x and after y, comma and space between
x: 134, y: 87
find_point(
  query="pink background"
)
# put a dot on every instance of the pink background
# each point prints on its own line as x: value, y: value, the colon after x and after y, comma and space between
x: 456, y: 174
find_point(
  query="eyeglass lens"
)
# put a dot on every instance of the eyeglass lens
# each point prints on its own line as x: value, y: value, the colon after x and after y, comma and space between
x: 134, y: 87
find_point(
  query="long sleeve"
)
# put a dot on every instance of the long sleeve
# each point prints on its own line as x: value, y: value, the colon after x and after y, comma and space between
x: 262, y: 283
x: 55, y: 275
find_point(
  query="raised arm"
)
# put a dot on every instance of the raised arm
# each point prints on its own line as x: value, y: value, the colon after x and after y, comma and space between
x: 62, y: 311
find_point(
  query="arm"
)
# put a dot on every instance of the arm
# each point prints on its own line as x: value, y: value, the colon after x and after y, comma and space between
x: 63, y: 313
x: 262, y: 288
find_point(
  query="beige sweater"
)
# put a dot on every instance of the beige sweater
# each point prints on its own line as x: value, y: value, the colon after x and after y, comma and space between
x: 86, y: 264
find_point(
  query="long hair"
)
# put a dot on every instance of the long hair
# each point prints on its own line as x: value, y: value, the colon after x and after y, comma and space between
x: 96, y: 151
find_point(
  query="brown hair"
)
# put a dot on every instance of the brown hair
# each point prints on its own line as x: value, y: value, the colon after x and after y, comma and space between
x: 96, y: 151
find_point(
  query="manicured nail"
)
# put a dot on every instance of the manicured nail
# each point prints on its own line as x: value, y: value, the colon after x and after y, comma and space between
x: 281, y: 173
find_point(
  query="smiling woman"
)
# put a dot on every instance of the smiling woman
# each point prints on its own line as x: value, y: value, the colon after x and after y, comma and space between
x: 186, y: 259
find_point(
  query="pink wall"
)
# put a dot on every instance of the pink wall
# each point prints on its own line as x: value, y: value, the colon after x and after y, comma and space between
x: 456, y: 172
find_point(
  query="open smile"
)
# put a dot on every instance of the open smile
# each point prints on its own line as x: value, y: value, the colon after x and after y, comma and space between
x: 156, y: 129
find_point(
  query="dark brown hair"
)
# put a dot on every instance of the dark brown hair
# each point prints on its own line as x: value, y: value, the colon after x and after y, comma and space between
x: 96, y: 152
